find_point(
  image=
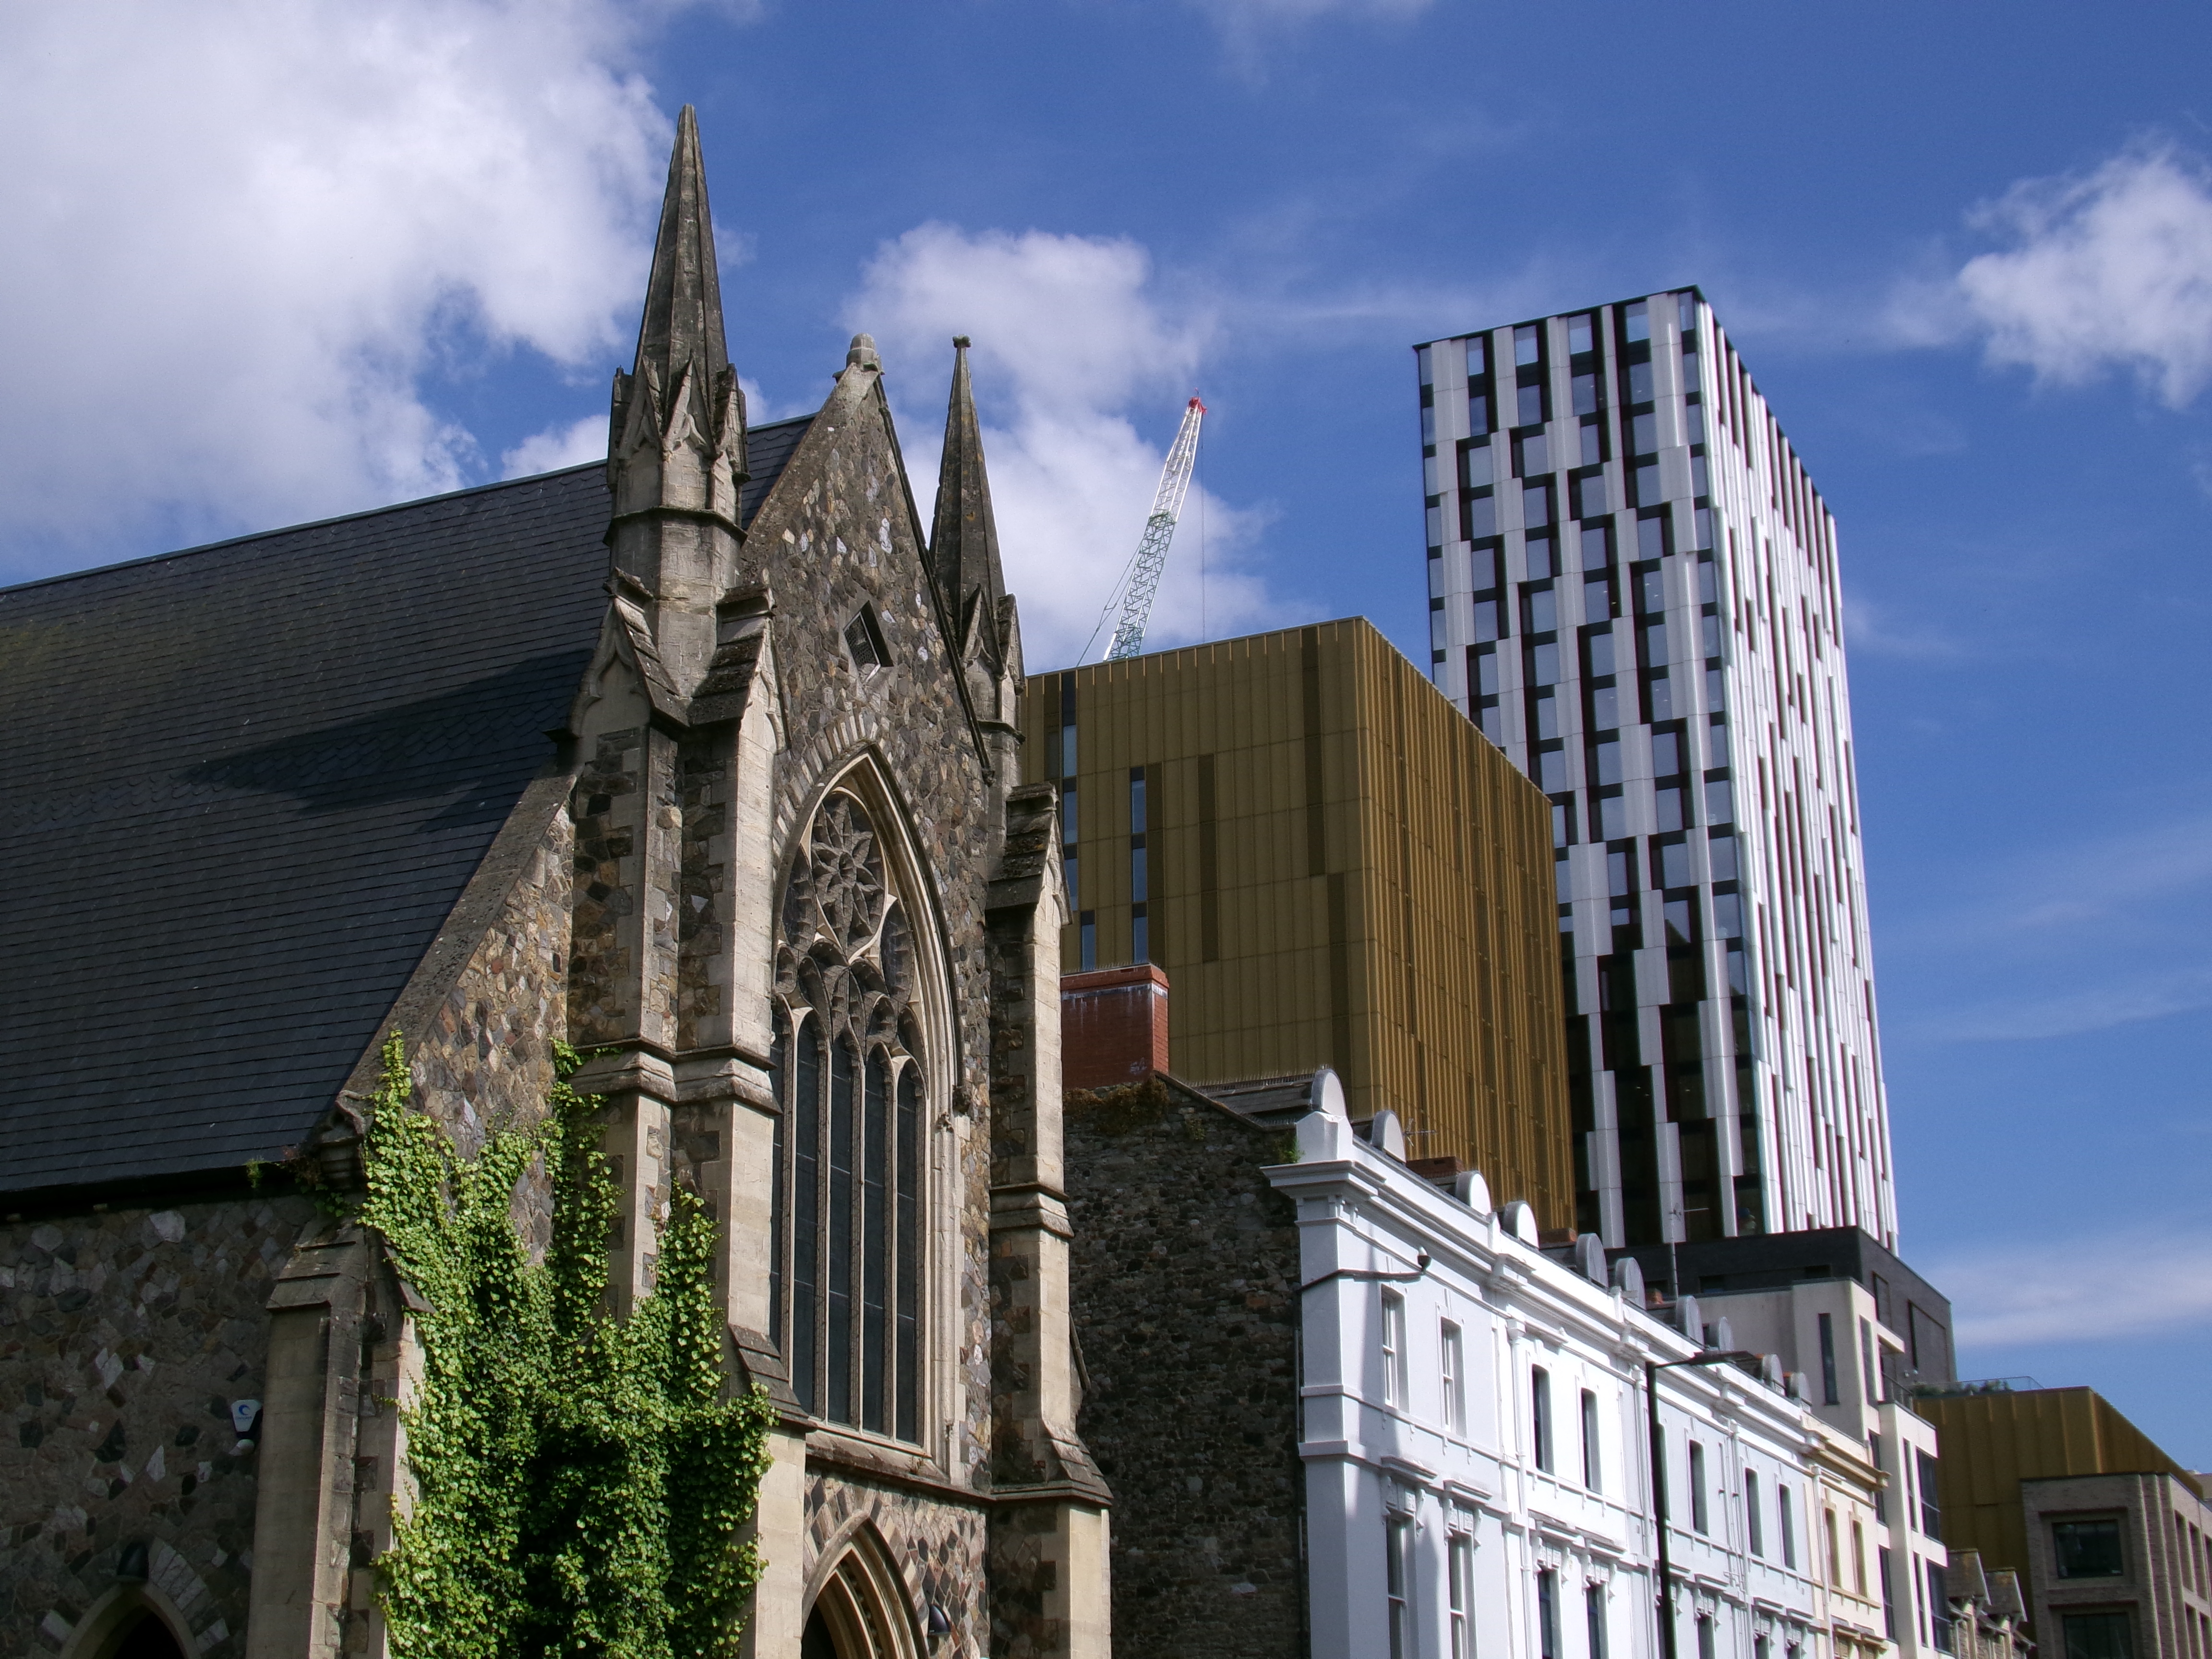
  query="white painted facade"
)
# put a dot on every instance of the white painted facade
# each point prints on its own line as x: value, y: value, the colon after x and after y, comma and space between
x: 1421, y: 1439
x: 1634, y: 592
x: 1830, y: 1331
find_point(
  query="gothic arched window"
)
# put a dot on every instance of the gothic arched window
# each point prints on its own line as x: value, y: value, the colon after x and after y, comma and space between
x: 845, y: 1285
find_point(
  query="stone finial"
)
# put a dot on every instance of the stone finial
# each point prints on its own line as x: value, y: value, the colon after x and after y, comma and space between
x: 862, y: 353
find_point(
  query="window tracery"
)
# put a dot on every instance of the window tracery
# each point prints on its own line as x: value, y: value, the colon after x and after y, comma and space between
x: 845, y: 1290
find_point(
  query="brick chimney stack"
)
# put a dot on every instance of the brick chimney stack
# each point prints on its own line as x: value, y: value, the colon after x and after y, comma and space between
x: 1113, y: 1026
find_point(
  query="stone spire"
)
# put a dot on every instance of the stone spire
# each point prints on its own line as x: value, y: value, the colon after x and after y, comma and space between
x: 683, y: 321
x: 676, y: 454
x: 964, y: 543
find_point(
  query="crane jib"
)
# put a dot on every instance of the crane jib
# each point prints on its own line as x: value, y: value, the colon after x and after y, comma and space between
x: 1151, y: 557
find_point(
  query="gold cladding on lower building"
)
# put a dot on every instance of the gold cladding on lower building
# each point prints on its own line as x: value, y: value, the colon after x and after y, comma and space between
x: 1335, y: 868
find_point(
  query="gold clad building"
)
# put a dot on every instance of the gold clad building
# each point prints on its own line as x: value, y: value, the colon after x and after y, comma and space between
x: 1334, y: 868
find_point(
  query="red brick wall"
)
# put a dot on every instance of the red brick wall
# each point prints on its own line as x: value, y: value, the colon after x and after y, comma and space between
x: 1113, y: 1026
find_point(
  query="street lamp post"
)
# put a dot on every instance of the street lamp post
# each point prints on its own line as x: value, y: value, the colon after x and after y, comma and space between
x: 1663, y: 1569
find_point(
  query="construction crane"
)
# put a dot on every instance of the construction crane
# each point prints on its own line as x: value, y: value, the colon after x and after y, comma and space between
x: 1142, y: 579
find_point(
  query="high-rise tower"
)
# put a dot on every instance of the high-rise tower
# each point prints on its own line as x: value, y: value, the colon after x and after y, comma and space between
x: 1633, y: 592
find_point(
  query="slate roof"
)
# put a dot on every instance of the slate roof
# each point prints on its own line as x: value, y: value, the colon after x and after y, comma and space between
x: 249, y: 782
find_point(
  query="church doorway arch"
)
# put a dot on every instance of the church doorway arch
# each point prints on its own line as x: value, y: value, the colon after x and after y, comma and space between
x: 129, y: 1622
x: 860, y: 1609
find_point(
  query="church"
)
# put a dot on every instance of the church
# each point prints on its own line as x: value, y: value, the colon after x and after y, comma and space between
x: 703, y: 762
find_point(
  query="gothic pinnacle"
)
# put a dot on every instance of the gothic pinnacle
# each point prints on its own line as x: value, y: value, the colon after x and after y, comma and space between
x: 964, y: 541
x: 683, y: 323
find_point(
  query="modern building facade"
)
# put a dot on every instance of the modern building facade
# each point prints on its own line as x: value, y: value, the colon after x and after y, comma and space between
x: 1634, y: 592
x: 2112, y: 1537
x: 1334, y: 869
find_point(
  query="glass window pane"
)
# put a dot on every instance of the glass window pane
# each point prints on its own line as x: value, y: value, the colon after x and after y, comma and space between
x: 1726, y: 912
x: 1598, y: 647
x: 1527, y: 345
x: 1608, y: 762
x: 1538, y: 560
x: 1485, y: 673
x: 1636, y: 321
x: 1547, y: 714
x: 1612, y: 817
x: 2099, y: 1636
x: 1605, y: 709
x: 1593, y: 503
x: 1642, y: 434
x: 1544, y: 665
x: 1581, y: 335
x: 1596, y: 547
x: 1666, y: 754
x: 1485, y: 620
x: 1477, y: 412
x: 1480, y: 516
x: 1584, y: 387
x: 1720, y: 801
x: 1428, y: 425
x: 1529, y: 407
x: 1639, y: 383
x: 2088, y: 1549
x: 1667, y: 807
x: 1421, y: 363
x: 1477, y: 358
x: 1593, y: 452
x: 908, y: 1360
x: 1536, y: 505
x: 1551, y: 770
x: 1535, y: 454
x: 1540, y: 609
x: 1480, y: 468
x: 1648, y: 491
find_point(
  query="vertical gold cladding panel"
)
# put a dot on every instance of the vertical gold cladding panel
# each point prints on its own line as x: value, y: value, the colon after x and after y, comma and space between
x: 1382, y: 891
x: 1990, y: 1442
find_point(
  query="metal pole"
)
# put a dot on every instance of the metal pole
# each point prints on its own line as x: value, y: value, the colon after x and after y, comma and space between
x: 1663, y: 1567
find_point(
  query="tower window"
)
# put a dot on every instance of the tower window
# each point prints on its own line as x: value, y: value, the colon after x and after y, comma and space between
x: 864, y: 638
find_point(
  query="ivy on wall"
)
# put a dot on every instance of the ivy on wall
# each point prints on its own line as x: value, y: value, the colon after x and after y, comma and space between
x: 580, y: 1481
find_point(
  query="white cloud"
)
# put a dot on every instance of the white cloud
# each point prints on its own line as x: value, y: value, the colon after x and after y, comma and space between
x: 1878, y: 629
x: 2074, y: 938
x: 2112, y: 270
x: 557, y: 447
x: 2082, y: 1288
x: 242, y: 232
x: 1071, y: 337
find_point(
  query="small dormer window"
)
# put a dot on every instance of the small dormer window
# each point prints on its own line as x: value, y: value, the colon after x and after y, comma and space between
x: 864, y: 638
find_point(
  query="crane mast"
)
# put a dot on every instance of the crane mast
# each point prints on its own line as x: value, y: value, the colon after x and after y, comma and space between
x: 1144, y: 577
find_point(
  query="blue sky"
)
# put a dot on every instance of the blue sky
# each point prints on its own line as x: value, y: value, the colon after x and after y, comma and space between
x: 271, y: 262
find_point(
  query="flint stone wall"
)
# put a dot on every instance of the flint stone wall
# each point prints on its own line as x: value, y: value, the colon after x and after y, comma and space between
x: 1184, y: 1282
x: 126, y: 1339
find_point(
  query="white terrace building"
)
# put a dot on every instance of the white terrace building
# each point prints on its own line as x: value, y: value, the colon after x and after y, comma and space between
x: 1477, y: 1462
